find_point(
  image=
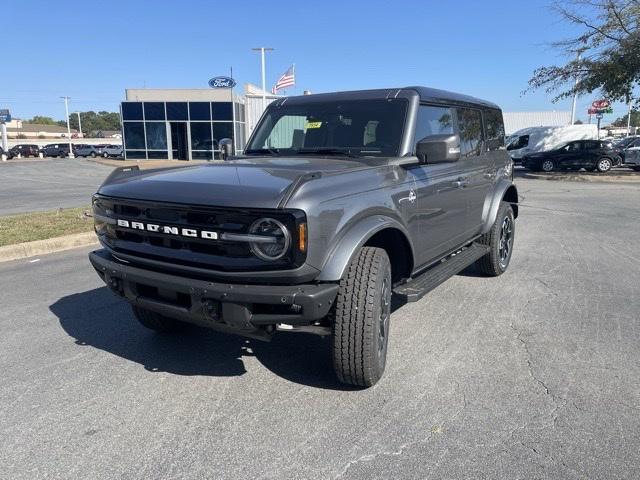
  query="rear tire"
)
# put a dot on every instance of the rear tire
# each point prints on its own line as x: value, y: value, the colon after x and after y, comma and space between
x: 604, y: 165
x: 157, y: 322
x: 362, y: 315
x: 548, y: 166
x: 500, y: 241
x: 105, y: 155
x: 93, y: 154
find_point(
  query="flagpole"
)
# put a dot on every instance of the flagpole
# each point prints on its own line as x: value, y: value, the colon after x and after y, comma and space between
x: 264, y: 82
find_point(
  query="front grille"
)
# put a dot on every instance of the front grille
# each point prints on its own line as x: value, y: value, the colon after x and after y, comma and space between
x: 215, y: 254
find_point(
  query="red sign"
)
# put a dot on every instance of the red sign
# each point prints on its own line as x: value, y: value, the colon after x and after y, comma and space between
x: 600, y: 104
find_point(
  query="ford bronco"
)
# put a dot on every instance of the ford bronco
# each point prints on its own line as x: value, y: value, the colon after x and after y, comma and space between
x: 338, y: 202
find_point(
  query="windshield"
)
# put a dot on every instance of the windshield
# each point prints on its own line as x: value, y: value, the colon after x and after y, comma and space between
x: 518, y: 142
x: 354, y: 128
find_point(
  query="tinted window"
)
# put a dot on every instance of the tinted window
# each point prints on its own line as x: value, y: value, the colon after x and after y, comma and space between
x: 156, y: 136
x: 201, y: 135
x: 200, y: 111
x: 177, y: 111
x: 131, y: 111
x: 470, y: 128
x: 591, y: 145
x: 222, y: 130
x: 495, y: 129
x: 433, y: 121
x: 222, y: 111
x: 571, y: 147
x: 154, y: 111
x: 134, y: 135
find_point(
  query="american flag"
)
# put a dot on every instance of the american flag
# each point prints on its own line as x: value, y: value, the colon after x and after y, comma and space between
x: 288, y: 79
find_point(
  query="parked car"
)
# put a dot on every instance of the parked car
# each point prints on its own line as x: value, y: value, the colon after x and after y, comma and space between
x: 25, y: 150
x: 111, y: 151
x: 541, y: 139
x: 630, y: 153
x: 589, y: 154
x: 339, y: 200
x: 84, y: 150
x: 56, y: 150
x: 8, y: 153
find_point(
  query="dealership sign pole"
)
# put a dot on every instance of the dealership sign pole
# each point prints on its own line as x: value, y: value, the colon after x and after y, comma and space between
x: 5, y: 117
x: 599, y: 108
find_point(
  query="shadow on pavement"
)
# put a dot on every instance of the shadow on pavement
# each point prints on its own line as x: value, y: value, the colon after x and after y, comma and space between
x: 99, y: 319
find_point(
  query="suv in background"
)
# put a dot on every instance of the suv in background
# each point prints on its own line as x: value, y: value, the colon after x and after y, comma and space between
x: 630, y: 152
x: 25, y: 150
x: 111, y: 151
x: 83, y: 150
x: 339, y: 200
x: 56, y: 150
x: 588, y: 154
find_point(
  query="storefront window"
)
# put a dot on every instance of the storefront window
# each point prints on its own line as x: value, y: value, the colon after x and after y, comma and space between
x: 134, y: 135
x: 156, y: 135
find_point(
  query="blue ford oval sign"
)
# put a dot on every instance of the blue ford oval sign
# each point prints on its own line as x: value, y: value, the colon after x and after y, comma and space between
x: 222, y: 82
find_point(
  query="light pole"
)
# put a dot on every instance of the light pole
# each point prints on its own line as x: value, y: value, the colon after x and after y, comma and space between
x: 66, y: 109
x: 264, y: 86
x: 79, y: 124
x: 575, y: 93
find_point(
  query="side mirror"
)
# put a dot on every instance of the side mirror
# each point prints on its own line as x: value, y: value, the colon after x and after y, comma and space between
x: 226, y: 148
x: 439, y: 149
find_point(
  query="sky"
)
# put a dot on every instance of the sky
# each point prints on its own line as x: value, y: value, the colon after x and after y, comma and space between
x: 93, y: 50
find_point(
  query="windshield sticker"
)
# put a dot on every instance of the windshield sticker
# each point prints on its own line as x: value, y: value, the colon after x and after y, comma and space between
x: 313, y: 125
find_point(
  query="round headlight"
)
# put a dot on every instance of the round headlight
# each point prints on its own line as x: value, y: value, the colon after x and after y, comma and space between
x: 275, y: 239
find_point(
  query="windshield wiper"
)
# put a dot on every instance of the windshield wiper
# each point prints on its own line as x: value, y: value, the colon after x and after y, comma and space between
x: 326, y: 151
x: 274, y: 152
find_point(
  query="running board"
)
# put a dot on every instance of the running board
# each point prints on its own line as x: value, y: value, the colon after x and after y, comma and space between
x: 419, y: 286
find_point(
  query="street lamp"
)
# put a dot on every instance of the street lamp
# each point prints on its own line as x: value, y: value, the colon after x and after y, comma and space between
x: 66, y: 109
x: 264, y: 87
x: 79, y: 124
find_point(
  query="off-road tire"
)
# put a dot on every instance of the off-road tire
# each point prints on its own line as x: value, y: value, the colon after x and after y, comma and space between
x: 157, y: 322
x: 493, y: 263
x: 361, y: 319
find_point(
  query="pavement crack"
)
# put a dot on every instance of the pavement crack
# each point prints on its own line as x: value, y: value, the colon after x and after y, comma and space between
x: 525, y: 347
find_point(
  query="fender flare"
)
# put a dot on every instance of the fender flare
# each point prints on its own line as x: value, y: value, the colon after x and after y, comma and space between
x: 505, y: 189
x: 354, y: 237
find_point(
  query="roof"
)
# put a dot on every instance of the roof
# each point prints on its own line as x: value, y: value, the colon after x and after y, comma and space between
x: 514, y: 121
x: 37, y: 127
x: 426, y: 94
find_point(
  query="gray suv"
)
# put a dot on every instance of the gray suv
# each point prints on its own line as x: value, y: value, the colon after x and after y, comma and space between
x: 339, y: 201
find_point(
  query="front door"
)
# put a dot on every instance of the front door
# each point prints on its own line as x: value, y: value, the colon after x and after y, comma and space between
x: 439, y: 220
x: 179, y: 141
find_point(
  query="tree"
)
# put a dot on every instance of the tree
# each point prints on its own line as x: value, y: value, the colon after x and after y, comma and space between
x: 39, y: 119
x: 609, y: 47
x: 622, y: 121
x: 94, y: 122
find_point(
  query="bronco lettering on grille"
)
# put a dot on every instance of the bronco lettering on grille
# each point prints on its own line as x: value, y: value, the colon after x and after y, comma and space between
x: 168, y: 229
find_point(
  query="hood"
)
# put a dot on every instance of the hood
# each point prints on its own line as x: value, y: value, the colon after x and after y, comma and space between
x: 244, y: 183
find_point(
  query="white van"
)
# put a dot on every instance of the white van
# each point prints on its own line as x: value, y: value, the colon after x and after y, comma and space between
x: 541, y: 139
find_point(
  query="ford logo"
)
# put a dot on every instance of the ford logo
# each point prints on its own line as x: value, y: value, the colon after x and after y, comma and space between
x: 222, y: 82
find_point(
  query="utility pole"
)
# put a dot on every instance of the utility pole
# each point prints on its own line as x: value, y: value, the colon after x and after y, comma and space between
x: 629, y: 116
x: 264, y: 77
x: 66, y: 109
x: 79, y: 124
x: 575, y: 94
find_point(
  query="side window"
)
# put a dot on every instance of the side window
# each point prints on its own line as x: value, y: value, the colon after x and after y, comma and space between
x: 470, y: 126
x: 433, y: 121
x: 494, y: 128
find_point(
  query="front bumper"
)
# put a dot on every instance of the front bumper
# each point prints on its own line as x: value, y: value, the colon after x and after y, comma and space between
x: 249, y: 310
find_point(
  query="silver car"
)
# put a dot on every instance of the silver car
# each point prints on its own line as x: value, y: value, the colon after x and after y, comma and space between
x: 110, y: 150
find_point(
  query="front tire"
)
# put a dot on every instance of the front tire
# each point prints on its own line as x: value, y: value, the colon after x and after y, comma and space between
x: 105, y: 155
x: 500, y: 242
x: 604, y: 165
x: 362, y: 315
x: 157, y: 322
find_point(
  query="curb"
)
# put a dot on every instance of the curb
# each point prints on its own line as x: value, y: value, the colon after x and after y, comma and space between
x: 582, y: 177
x: 50, y: 245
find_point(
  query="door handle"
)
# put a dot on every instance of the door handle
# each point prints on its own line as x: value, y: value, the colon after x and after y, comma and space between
x: 460, y: 183
x: 490, y: 175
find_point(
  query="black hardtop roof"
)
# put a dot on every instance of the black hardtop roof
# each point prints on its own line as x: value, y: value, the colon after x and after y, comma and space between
x: 429, y: 95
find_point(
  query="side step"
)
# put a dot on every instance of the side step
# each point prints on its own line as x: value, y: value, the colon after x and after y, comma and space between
x: 419, y: 286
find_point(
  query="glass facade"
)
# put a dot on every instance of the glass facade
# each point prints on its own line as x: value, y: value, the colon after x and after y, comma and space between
x: 180, y: 130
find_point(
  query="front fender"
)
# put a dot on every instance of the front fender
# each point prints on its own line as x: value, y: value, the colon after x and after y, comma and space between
x: 504, y: 190
x: 347, y: 245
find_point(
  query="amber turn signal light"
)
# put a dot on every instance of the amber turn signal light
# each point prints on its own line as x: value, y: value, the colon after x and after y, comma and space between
x: 302, y: 237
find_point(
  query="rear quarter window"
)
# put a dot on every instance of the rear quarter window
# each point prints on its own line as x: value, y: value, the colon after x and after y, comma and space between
x: 494, y: 126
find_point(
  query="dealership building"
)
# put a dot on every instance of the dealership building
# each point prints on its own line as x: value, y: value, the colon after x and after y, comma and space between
x: 187, y: 124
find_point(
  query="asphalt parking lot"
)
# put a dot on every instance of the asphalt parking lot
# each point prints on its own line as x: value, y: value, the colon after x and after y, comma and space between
x: 38, y: 185
x: 533, y: 374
